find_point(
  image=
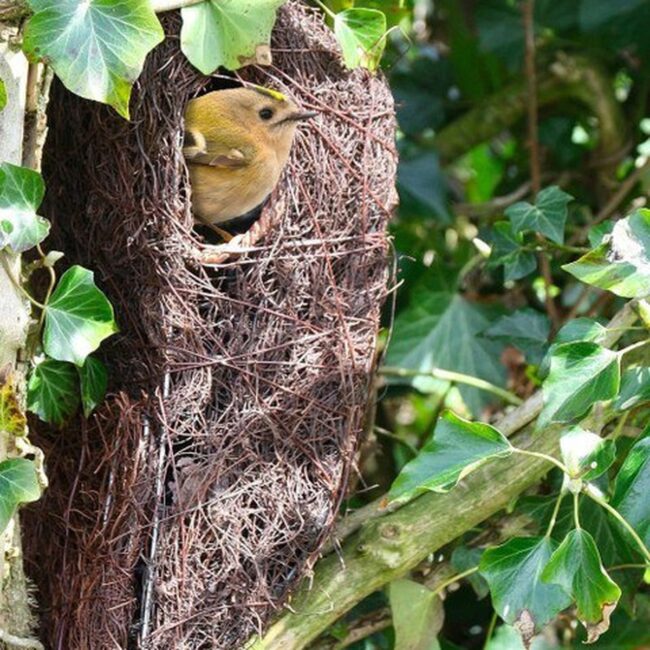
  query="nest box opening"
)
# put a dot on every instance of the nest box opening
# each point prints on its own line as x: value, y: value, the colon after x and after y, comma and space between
x: 186, y: 508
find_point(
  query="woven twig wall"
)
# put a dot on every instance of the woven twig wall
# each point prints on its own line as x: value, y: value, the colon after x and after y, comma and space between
x: 184, y: 511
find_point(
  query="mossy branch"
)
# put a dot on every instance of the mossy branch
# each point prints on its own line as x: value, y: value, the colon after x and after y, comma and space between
x: 574, y: 78
x: 385, y: 545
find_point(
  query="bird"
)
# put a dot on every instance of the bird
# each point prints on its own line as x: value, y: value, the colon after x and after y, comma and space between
x: 236, y: 143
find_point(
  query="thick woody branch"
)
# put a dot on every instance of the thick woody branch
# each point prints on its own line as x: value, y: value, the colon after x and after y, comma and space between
x: 386, y: 545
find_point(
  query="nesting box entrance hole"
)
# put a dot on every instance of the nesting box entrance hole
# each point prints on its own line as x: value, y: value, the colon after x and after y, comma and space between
x: 238, y: 391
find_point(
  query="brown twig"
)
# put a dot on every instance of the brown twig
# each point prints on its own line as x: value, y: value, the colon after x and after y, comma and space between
x: 533, y: 143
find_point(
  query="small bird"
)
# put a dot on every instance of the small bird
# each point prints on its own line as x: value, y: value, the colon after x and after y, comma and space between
x: 237, y: 142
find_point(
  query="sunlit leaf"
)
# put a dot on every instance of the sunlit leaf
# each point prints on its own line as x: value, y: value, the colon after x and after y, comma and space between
x: 3, y: 95
x: 441, y: 330
x: 621, y: 264
x: 582, y: 329
x: 18, y: 484
x: 512, y: 571
x: 228, y: 33
x: 581, y: 374
x: 525, y: 329
x: 575, y: 565
x: 633, y: 487
x: 78, y: 317
x: 635, y: 388
x: 53, y: 391
x: 12, y: 418
x: 456, y: 448
x: 21, y: 193
x: 417, y: 614
x: 93, y: 380
x: 585, y: 454
x: 547, y: 216
x: 96, y: 47
x: 361, y: 32
x: 507, y: 250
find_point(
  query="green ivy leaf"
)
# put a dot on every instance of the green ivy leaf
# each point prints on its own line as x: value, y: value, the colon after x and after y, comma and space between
x: 512, y: 571
x: 361, y: 32
x: 53, y: 391
x: 576, y: 567
x: 3, y: 95
x: 440, y: 330
x: 93, y: 379
x: 78, y: 317
x: 635, y: 388
x: 507, y: 251
x: 632, y: 488
x: 621, y: 264
x: 547, y: 216
x: 418, y: 615
x: 96, y: 47
x: 457, y: 448
x: 228, y: 33
x: 585, y: 454
x: 525, y: 329
x: 581, y: 374
x: 582, y: 329
x: 421, y: 182
x: 21, y: 192
x: 18, y: 484
x: 464, y: 558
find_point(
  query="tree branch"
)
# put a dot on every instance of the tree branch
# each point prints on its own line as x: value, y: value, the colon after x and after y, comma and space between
x: 386, y: 546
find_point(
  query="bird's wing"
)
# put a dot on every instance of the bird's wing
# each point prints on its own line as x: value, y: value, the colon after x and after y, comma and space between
x: 198, y: 151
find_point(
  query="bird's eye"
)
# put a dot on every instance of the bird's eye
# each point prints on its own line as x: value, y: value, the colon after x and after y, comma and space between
x: 266, y: 113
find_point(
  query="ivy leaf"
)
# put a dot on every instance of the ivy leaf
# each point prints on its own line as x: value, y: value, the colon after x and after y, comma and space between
x: 53, y: 391
x: 632, y: 488
x: 422, y: 183
x: 547, y: 216
x: 525, y: 329
x: 78, y: 317
x: 93, y: 379
x: 585, y: 454
x: 512, y: 571
x: 3, y: 95
x: 621, y: 264
x: 418, y: 615
x: 581, y: 374
x: 12, y: 418
x: 457, y: 448
x: 21, y: 192
x: 440, y: 330
x: 96, y: 47
x: 576, y: 567
x: 507, y: 251
x: 361, y: 32
x: 464, y: 558
x: 228, y: 33
x: 582, y: 329
x: 18, y: 484
x: 635, y: 388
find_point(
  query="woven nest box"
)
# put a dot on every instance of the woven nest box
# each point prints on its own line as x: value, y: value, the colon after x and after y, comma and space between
x: 184, y: 511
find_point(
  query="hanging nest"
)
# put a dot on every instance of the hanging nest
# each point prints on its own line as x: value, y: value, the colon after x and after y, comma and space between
x: 182, y: 513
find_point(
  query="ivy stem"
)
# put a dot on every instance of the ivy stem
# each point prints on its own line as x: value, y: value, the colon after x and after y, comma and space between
x: 18, y: 286
x: 456, y: 578
x: 634, y: 346
x: 537, y: 454
x: 388, y: 434
x: 455, y: 377
x: 576, y: 509
x: 621, y: 567
x: 50, y: 288
x: 556, y: 509
x: 490, y: 630
x: 589, y: 491
x: 326, y: 9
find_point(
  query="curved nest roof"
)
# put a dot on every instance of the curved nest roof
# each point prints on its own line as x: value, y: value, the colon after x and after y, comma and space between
x: 184, y: 511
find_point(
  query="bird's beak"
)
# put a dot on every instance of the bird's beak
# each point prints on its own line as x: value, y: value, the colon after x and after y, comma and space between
x: 299, y: 116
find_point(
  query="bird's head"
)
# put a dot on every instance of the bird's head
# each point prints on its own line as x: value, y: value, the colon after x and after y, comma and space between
x: 258, y: 113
